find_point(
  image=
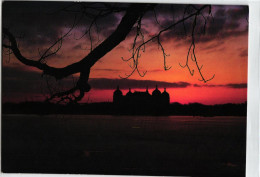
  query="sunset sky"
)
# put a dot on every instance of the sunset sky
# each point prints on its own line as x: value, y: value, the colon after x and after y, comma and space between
x: 222, y: 51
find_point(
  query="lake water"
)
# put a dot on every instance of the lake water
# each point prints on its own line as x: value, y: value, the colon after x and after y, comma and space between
x: 125, y: 145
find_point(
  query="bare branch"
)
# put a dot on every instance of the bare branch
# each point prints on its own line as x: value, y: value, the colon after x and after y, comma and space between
x: 156, y: 19
x: 82, y: 86
x: 62, y: 94
x: 48, y: 52
x: 164, y: 54
x: 136, y: 49
x: 191, y: 51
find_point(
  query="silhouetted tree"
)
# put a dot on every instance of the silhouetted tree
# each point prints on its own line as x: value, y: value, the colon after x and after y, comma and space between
x: 132, y: 18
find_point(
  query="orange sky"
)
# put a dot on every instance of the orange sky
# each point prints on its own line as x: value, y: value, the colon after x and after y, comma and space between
x: 226, y: 64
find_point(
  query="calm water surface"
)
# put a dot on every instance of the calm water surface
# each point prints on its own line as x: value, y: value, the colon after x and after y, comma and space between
x: 124, y: 145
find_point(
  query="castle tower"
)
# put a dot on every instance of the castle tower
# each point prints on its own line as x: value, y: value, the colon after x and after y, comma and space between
x: 156, y: 92
x: 166, y: 97
x: 117, y: 96
x: 129, y: 93
x: 157, y: 97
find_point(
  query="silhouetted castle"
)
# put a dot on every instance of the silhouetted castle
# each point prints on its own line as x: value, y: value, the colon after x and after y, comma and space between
x: 142, y: 98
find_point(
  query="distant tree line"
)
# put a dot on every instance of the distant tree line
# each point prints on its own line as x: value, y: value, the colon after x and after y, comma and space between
x: 107, y: 108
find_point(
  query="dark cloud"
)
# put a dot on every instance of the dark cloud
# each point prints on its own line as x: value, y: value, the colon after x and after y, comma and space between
x: 215, y: 26
x: 221, y: 35
x: 238, y: 12
x: 170, y: 9
x: 220, y: 12
x: 78, y: 46
x: 242, y: 85
x: 217, y: 49
x: 103, y: 83
x: 15, y: 80
x: 232, y: 25
x: 197, y: 85
x: 213, y: 46
x: 164, y: 14
x: 35, y: 20
x: 43, y: 22
x: 231, y: 85
x: 225, y: 23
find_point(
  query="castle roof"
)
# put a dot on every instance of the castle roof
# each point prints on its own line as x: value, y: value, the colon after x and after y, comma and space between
x: 156, y: 91
x: 165, y: 93
x: 118, y: 91
x: 129, y: 92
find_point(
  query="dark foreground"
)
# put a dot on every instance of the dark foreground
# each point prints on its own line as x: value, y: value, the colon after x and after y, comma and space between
x: 124, y: 145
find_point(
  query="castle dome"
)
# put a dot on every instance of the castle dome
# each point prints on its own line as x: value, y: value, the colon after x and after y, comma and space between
x: 156, y: 92
x: 129, y: 93
x: 165, y: 93
x: 118, y: 91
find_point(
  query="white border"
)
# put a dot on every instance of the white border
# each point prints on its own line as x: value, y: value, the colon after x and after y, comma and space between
x: 252, y: 156
x: 253, y: 114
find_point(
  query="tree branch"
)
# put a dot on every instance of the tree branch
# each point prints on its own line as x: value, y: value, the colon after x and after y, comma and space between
x: 126, y: 24
x: 136, y: 50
